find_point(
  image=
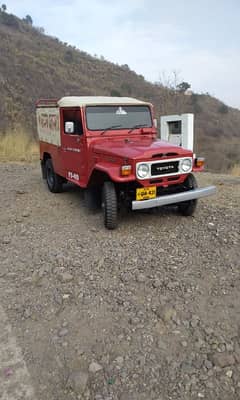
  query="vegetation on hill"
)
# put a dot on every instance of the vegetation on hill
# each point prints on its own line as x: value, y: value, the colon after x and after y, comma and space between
x: 34, y: 65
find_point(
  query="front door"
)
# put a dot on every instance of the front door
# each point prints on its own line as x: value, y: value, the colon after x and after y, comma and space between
x: 73, y: 145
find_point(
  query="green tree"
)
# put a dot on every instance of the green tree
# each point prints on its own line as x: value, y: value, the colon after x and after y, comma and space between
x: 115, y: 93
x: 4, y: 8
x: 183, y: 86
x: 223, y: 109
x: 40, y: 29
x: 69, y: 56
x: 126, y: 88
x: 28, y: 20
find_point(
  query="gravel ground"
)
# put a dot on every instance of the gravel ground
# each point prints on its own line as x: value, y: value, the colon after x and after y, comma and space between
x: 149, y: 311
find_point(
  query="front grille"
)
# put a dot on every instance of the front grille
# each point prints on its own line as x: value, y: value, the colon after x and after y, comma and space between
x: 164, y: 168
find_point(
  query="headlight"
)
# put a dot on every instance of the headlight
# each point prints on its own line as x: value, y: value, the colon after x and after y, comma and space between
x: 186, y: 165
x: 142, y: 171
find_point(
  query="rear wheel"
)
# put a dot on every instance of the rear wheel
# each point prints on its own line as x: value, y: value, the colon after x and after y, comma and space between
x: 54, y: 181
x: 110, y: 206
x: 188, y: 208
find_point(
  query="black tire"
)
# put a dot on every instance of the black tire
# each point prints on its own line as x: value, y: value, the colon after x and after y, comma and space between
x: 110, y: 205
x: 54, y: 181
x: 43, y: 169
x: 92, y: 198
x: 188, y: 208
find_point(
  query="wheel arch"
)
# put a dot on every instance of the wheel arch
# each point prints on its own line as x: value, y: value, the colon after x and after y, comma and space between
x: 45, y: 157
x: 98, y: 177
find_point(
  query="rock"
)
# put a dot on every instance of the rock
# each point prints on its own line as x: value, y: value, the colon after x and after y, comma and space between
x: 134, y: 320
x: 160, y: 327
x: 166, y: 313
x: 222, y: 359
x: 21, y: 191
x: 141, y: 278
x: 229, y: 374
x: 63, y: 332
x: 195, y: 321
x: 172, y: 285
x: 186, y: 367
x: 65, y: 277
x: 221, y: 347
x: 208, y: 364
x: 210, y: 385
x: 211, y: 224
x: 119, y: 360
x: 27, y: 313
x: 77, y: 263
x: 229, y: 347
x: 77, y: 381
x: 198, y: 362
x: 25, y: 214
x: 8, y: 372
x: 6, y: 240
x: 95, y: 367
x: 156, y: 283
x: 209, y: 331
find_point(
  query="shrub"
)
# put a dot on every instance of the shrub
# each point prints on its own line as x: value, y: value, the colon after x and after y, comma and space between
x: 223, y: 109
x: 18, y: 146
x: 235, y: 171
x: 68, y: 56
x: 9, y: 20
x: 115, y: 93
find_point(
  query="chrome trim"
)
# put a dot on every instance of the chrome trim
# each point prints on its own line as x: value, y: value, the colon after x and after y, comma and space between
x: 174, y: 198
x: 150, y: 163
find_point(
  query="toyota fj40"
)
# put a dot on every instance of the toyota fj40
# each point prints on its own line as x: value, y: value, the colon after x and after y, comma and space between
x: 109, y: 147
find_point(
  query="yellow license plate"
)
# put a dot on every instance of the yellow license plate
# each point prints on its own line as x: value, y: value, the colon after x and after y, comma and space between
x: 146, y: 193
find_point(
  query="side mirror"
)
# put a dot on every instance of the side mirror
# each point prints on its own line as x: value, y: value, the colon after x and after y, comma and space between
x: 155, y: 122
x: 69, y: 127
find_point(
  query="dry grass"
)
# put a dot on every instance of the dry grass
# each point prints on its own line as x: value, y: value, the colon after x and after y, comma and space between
x: 235, y: 171
x: 19, y: 147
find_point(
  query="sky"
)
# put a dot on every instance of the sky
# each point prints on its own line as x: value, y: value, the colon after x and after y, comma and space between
x: 197, y: 40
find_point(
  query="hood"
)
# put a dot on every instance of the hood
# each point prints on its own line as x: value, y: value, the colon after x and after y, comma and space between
x: 138, y: 147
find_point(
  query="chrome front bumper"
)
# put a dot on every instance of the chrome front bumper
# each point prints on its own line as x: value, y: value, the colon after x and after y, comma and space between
x: 174, y: 198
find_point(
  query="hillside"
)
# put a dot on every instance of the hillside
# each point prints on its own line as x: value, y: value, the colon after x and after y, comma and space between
x: 33, y: 65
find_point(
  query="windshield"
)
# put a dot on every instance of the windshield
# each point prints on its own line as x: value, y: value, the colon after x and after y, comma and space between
x: 122, y: 117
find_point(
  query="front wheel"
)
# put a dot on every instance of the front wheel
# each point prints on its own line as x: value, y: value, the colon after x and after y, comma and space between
x: 188, y: 208
x: 54, y: 181
x: 110, y: 206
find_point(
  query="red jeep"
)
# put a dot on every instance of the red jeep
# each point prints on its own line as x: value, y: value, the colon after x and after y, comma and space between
x: 109, y: 147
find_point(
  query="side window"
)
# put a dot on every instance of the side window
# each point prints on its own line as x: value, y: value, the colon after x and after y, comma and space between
x: 73, y: 116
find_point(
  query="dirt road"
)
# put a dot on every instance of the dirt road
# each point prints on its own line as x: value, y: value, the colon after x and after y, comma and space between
x: 149, y: 311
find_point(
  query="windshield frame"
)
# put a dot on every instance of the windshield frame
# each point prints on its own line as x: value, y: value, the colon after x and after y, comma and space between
x: 118, y: 105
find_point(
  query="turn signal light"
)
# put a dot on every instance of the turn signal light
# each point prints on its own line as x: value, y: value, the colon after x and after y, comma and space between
x: 199, y: 162
x: 126, y: 170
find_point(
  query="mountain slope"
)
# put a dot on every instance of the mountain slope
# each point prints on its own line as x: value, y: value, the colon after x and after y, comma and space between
x: 33, y: 65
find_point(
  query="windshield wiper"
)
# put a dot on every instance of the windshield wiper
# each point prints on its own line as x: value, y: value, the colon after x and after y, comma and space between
x: 137, y: 126
x: 110, y: 127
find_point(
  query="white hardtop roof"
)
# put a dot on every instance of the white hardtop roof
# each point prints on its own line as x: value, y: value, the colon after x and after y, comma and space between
x: 77, y: 101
